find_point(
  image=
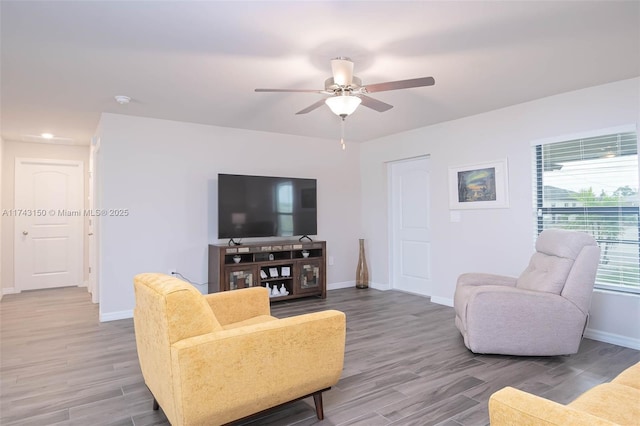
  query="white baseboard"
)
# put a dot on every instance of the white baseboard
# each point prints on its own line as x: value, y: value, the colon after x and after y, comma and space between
x: 343, y: 284
x: 381, y: 287
x: 9, y: 290
x: 114, y: 316
x: 442, y: 301
x: 350, y: 284
x: 614, y: 339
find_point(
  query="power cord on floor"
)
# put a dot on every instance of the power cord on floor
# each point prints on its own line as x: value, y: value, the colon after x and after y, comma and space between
x: 185, y: 278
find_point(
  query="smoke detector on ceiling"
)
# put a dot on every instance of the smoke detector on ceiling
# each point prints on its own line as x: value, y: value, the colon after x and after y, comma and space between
x: 122, y: 100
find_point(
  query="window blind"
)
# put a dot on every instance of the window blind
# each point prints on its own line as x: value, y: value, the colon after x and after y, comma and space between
x: 590, y: 184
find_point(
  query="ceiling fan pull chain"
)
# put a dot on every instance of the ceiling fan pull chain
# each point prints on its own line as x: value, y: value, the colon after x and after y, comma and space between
x: 342, y: 143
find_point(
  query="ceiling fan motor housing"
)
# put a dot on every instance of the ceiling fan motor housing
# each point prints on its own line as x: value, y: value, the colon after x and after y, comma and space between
x: 332, y: 87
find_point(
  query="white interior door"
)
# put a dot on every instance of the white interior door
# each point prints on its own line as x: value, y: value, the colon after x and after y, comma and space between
x: 48, y: 223
x: 410, y: 232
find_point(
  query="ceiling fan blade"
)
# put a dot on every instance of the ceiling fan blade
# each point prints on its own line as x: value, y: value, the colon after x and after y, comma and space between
x: 401, y: 84
x: 375, y: 104
x: 311, y: 107
x: 342, y: 69
x: 290, y: 90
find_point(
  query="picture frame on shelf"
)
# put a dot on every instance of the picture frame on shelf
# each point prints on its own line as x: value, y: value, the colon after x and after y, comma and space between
x: 263, y: 275
x: 285, y: 271
x: 479, y: 186
x: 273, y: 272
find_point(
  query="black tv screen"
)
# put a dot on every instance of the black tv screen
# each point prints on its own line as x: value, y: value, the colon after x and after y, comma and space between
x: 266, y: 206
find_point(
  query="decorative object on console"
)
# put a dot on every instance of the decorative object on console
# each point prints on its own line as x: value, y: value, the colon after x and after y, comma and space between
x: 237, y: 258
x: 362, y: 272
x: 305, y: 253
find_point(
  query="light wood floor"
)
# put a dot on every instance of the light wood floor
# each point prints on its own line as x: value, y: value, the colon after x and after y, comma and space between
x: 405, y: 364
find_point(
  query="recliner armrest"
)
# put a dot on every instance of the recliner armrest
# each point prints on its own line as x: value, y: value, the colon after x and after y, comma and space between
x: 239, y: 305
x: 513, y: 407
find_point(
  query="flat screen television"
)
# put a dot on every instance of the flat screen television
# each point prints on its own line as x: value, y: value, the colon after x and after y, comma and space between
x: 266, y: 206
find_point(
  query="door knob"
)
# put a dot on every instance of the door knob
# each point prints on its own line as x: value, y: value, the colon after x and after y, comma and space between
x: 90, y: 233
x: 25, y: 232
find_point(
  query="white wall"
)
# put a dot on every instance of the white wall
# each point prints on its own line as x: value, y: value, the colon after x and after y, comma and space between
x: 11, y: 151
x: 495, y: 240
x: 164, y: 172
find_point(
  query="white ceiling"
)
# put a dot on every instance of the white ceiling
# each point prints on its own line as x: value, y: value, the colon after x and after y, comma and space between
x: 63, y: 62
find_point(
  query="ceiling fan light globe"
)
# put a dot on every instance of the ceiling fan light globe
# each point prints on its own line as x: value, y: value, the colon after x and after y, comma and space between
x: 343, y: 105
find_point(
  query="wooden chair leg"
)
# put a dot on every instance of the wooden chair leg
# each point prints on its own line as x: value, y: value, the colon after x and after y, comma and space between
x: 156, y: 406
x: 317, y: 400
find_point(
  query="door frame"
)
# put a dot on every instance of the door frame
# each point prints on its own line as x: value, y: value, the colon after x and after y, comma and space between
x: 391, y: 215
x: 19, y: 162
x: 93, y: 222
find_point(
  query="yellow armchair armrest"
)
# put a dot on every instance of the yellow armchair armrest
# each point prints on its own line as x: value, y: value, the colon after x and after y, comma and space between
x: 513, y: 407
x: 239, y: 305
x: 272, y: 363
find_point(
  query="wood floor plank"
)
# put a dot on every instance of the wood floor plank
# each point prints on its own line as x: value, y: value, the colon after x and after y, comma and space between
x: 405, y: 364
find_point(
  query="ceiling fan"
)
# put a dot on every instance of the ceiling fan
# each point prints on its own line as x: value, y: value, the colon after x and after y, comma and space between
x: 346, y: 91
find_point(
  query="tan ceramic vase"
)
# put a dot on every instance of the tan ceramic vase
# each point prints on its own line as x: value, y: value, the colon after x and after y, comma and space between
x: 362, y: 272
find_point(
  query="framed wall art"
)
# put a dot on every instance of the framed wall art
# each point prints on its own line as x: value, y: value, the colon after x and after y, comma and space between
x: 479, y: 186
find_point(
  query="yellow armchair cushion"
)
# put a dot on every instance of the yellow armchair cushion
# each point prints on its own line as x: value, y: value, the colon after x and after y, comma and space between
x: 255, y: 320
x: 248, y: 369
x: 612, y: 401
x: 629, y: 377
x: 615, y: 403
x: 513, y: 407
x: 239, y: 305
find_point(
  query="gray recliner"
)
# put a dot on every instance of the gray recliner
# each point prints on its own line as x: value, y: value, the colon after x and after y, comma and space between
x: 543, y: 312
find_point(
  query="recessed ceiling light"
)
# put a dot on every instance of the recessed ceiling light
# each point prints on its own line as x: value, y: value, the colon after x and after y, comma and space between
x: 47, y: 138
x: 122, y: 100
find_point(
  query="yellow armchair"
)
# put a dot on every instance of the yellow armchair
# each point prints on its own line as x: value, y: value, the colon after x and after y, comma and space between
x: 613, y: 403
x: 221, y: 357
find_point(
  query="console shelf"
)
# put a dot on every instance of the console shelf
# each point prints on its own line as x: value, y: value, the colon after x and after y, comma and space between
x: 281, y: 264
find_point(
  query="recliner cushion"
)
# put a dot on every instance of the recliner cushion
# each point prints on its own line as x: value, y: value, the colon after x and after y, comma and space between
x: 545, y: 273
x: 563, y: 243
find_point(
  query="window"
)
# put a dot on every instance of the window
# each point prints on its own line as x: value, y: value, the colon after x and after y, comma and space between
x: 284, y: 207
x: 591, y: 184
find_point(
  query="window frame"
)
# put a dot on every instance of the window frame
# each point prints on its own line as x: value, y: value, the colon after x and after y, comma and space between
x: 613, y: 211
